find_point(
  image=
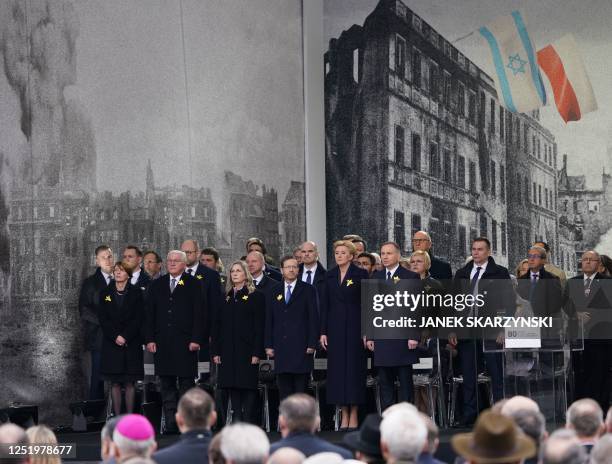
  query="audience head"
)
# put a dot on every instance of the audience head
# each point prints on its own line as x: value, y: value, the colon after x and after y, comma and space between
x: 209, y: 257
x: 590, y: 262
x: 215, y: 456
x: 326, y: 457
x: 563, y: 447
x: 132, y: 255
x: 42, y: 435
x: 104, y: 258
x: 152, y: 263
x: 290, y: 268
x: 11, y: 434
x: 481, y: 250
x: 522, y: 268
x: 402, y: 435
x: 420, y: 262
x: 286, y: 455
x: 421, y: 241
x: 298, y: 413
x: 344, y: 252
x: 527, y: 416
x: 494, y: 440
x: 309, y: 252
x: 133, y: 437
x: 433, y: 435
x: 244, y: 444
x: 365, y: 442
x: 536, y: 257
x: 605, y: 265
x: 106, y: 438
x: 176, y: 262
x: 195, y: 411
x: 255, y: 262
x: 390, y: 253
x: 602, y: 451
x: 192, y: 251
x: 585, y: 417
x: 366, y: 261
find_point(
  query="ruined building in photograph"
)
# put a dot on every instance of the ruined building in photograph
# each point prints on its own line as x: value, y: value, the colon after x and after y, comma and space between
x: 416, y: 139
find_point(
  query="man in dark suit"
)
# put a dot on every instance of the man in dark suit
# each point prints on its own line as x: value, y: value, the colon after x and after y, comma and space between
x: 311, y: 270
x: 585, y: 294
x: 132, y: 255
x: 152, y: 264
x: 439, y: 270
x: 482, y: 276
x: 174, y: 331
x: 256, y: 244
x: 292, y: 329
x: 88, y: 310
x: 394, y: 358
x: 256, y: 264
x: 298, y: 420
x: 538, y: 286
x: 195, y: 417
x: 210, y: 258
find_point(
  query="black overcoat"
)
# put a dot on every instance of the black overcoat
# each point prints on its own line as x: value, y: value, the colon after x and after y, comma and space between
x: 89, y: 297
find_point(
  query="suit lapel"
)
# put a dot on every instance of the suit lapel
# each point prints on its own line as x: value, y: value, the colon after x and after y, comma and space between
x: 297, y: 289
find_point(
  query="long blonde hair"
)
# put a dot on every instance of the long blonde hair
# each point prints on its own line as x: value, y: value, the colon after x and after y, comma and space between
x: 249, y: 278
x: 42, y: 435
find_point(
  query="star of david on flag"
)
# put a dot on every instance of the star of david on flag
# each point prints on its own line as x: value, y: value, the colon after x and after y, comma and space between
x: 517, y: 76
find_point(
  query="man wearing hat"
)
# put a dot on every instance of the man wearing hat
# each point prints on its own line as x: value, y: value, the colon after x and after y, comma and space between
x: 365, y: 442
x: 133, y: 437
x: 495, y: 440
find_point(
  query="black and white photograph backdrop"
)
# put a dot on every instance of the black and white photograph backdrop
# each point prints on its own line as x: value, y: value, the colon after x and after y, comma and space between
x: 135, y: 122
x: 416, y: 137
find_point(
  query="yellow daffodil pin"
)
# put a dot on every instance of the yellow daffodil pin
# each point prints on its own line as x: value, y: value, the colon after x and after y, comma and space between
x: 245, y: 297
x: 279, y: 297
x: 349, y: 282
x: 227, y: 298
x: 180, y: 282
x: 396, y: 279
x: 199, y: 277
x: 107, y: 298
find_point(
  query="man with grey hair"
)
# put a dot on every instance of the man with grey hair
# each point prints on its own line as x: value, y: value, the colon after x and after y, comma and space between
x: 439, y: 270
x: 298, y: 420
x: 602, y: 451
x: 244, y: 444
x: 286, y: 456
x: 106, y: 440
x: 11, y: 434
x: 174, y: 331
x: 538, y: 286
x: 585, y: 417
x: 403, y: 435
x: 563, y: 447
x: 527, y: 416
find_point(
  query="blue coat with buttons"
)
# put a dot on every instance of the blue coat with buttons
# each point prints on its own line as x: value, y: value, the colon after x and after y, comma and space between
x: 292, y: 327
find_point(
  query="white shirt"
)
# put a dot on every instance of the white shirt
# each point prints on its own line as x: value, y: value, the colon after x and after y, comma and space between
x: 193, y: 268
x: 107, y: 277
x: 257, y: 279
x: 135, y: 276
x: 392, y: 271
x: 591, y: 278
x: 312, y: 268
x: 292, y: 284
x: 483, y: 268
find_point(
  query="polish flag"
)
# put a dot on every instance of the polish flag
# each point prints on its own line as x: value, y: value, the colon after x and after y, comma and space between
x: 562, y: 63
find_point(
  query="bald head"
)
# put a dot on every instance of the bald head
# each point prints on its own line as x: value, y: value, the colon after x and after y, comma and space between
x: 590, y: 262
x: 563, y: 447
x: 286, y: 456
x: 310, y: 253
x: 14, y: 435
x: 585, y: 417
x: 255, y: 263
x: 519, y: 403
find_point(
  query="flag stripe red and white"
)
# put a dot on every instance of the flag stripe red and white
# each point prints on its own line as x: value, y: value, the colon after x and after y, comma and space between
x: 562, y: 64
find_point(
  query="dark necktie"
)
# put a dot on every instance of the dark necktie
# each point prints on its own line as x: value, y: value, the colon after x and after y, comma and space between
x: 288, y: 294
x: 587, y: 287
x: 190, y: 271
x: 474, y: 281
x: 534, y: 282
x: 172, y: 285
x: 309, y: 277
x: 388, y: 275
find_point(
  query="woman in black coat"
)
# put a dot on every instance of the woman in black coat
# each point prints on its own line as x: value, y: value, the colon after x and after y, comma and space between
x: 237, y: 342
x: 341, y: 334
x: 121, y: 316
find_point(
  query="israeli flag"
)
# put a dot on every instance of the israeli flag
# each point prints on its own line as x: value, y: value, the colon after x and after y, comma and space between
x: 517, y: 76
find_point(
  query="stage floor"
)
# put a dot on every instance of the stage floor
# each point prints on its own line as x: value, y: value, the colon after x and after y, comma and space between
x: 88, y: 443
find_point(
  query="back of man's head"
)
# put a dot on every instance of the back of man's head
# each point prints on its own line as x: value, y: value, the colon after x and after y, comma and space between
x: 133, y: 436
x: 433, y: 434
x: 196, y: 410
x: 563, y: 447
x: 286, y: 456
x: 14, y: 435
x: 244, y: 444
x: 602, y: 451
x: 532, y: 423
x: 298, y: 413
x: 402, y: 435
x: 609, y: 421
x: 106, y: 438
x: 586, y: 418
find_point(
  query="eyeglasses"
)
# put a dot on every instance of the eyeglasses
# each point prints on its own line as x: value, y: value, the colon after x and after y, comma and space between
x: 592, y: 260
x: 290, y: 267
x: 534, y: 256
x: 175, y: 261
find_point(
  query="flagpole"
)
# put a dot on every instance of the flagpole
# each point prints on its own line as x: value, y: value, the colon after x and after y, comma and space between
x: 463, y: 37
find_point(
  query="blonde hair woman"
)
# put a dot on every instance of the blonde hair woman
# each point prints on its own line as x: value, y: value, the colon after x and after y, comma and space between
x: 42, y: 435
x: 341, y: 334
x: 237, y: 342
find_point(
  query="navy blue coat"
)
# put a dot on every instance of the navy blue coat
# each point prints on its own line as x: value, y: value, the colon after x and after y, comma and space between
x: 192, y: 448
x: 266, y: 284
x: 292, y: 327
x: 173, y: 320
x: 273, y: 272
x: 341, y: 322
x: 547, y: 296
x: 237, y: 335
x: 309, y: 444
x: 212, y: 293
x: 89, y: 298
x: 390, y: 353
x: 440, y: 270
x: 143, y: 280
